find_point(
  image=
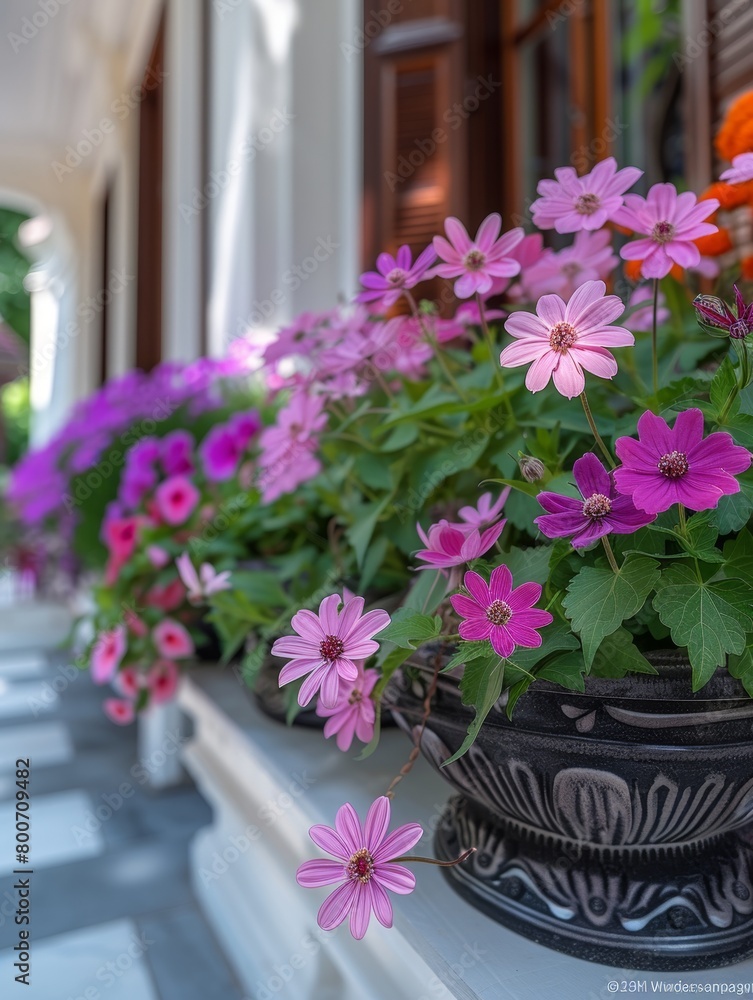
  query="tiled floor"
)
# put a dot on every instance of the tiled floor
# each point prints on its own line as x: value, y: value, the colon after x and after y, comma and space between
x: 113, y: 911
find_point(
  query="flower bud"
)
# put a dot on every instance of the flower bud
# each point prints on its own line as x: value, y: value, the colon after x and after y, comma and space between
x: 532, y: 469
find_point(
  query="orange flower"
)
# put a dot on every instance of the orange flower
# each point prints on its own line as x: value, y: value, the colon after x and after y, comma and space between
x: 730, y: 196
x: 716, y: 244
x: 746, y: 265
x: 633, y: 270
x: 735, y: 135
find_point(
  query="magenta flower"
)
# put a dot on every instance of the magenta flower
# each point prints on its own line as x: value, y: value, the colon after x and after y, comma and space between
x: 678, y: 465
x: 176, y: 499
x: 365, y: 865
x: 563, y: 339
x: 128, y: 682
x: 162, y: 681
x: 713, y: 313
x: 172, y: 640
x: 327, y: 647
x: 741, y: 170
x: 393, y: 274
x: 572, y: 203
x: 601, y: 511
x: 107, y: 652
x: 245, y: 425
x: 119, y: 711
x: 177, y: 453
x: 668, y: 223
x: 204, y: 583
x: 220, y: 453
x: 485, y: 512
x: 496, y: 612
x: 354, y: 713
x: 476, y: 262
x: 449, y: 545
x: 120, y: 535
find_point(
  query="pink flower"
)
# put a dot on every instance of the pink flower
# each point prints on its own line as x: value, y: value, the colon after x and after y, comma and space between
x: 327, y: 646
x: 220, y: 453
x: 176, y: 499
x: 119, y: 711
x: 393, y: 274
x: 107, y: 652
x: 162, y: 681
x: 128, y: 682
x: 365, y: 865
x: 589, y: 258
x: 134, y: 623
x: 669, y: 222
x: 476, y: 262
x: 167, y: 597
x: 741, y: 170
x: 563, y: 339
x: 157, y: 556
x: 177, y: 453
x: 449, y: 545
x: 678, y: 465
x: 199, y: 587
x: 572, y: 203
x: 601, y: 510
x: 643, y: 319
x: 288, y: 448
x: 120, y: 539
x: 172, y: 640
x: 245, y: 425
x: 485, y: 512
x: 354, y: 713
x: 496, y: 612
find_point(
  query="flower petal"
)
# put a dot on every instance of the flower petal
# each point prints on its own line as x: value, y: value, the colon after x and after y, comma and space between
x: 348, y: 826
x: 395, y: 877
x: 319, y: 872
x: 377, y: 822
x: 336, y: 906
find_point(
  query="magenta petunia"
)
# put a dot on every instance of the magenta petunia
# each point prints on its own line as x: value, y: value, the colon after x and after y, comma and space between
x: 678, y: 465
x: 365, y: 865
x: 177, y: 453
x: 565, y: 338
x: 107, y: 652
x: 572, y: 203
x: 162, y: 681
x: 220, y: 452
x: 176, y: 499
x: 327, y: 647
x: 119, y: 711
x: 668, y: 224
x: 741, y: 170
x: 601, y: 511
x: 494, y: 611
x: 354, y: 714
x: 476, y: 263
x: 394, y: 274
x: 172, y: 640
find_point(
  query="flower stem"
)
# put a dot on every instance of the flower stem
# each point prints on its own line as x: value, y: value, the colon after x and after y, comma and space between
x: 739, y: 385
x: 413, y: 756
x: 654, y: 349
x: 434, y: 346
x: 495, y: 363
x: 683, y: 521
x: 441, y: 864
x: 594, y: 431
x: 610, y: 554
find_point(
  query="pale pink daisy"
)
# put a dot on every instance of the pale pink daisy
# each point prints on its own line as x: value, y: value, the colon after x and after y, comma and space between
x: 529, y: 253
x: 668, y: 223
x: 365, y: 863
x: 354, y: 714
x: 119, y: 711
x: 590, y: 257
x: 107, y: 652
x: 327, y: 647
x: 176, y: 499
x: 394, y: 274
x: 287, y: 449
x: 171, y: 640
x: 485, y: 511
x: 741, y: 170
x: 564, y: 339
x: 162, y: 681
x: 572, y: 203
x: 476, y: 263
x: 204, y: 583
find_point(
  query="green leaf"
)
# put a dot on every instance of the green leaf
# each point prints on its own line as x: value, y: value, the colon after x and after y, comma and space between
x: 359, y: 533
x: 427, y: 591
x: 467, y: 652
x: 566, y: 670
x: 710, y: 619
x: 409, y: 628
x: 617, y: 656
x: 480, y: 687
x: 733, y: 512
x: 401, y: 437
x: 722, y: 386
x: 738, y: 557
x: 528, y: 565
x: 741, y: 666
x: 599, y: 600
x: 741, y: 428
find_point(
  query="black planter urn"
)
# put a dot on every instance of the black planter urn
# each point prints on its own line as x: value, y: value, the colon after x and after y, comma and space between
x: 615, y: 825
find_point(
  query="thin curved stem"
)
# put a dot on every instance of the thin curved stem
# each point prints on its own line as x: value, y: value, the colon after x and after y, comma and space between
x: 597, y: 437
x: 610, y: 553
x: 413, y: 756
x: 490, y: 344
x: 654, y: 339
x: 432, y: 340
x: 440, y: 864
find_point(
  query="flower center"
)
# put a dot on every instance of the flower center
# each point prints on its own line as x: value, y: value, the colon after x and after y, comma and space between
x: 597, y: 506
x: 474, y: 259
x: 674, y: 464
x: 663, y: 232
x: 739, y: 329
x: 331, y: 647
x: 360, y: 866
x: 396, y: 276
x: 499, y: 613
x: 356, y: 697
x: 586, y: 204
x: 571, y: 269
x: 561, y: 337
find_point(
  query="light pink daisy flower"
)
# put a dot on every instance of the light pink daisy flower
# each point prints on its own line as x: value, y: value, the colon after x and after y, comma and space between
x: 172, y: 640
x: 449, y: 545
x: 572, y: 203
x: 496, y: 612
x: 176, y: 499
x: 354, y: 714
x: 485, y: 511
x: 590, y: 257
x: 741, y: 170
x: 204, y: 583
x: 393, y: 274
x: 365, y: 864
x: 119, y: 711
x: 162, y: 681
x: 668, y: 223
x: 476, y: 263
x: 327, y: 647
x: 107, y: 653
x: 563, y: 339
x: 287, y: 449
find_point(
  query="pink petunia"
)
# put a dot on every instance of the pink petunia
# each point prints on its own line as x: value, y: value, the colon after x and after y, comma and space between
x: 107, y: 652
x: 741, y: 170
x: 496, y: 612
x: 172, y: 640
x: 563, y: 339
x: 167, y: 597
x: 476, y: 263
x: 120, y: 538
x: 668, y: 223
x: 177, y: 453
x: 176, y: 499
x: 128, y: 682
x: 119, y: 711
x: 327, y: 647
x: 220, y: 453
x: 450, y: 545
x: 162, y: 681
x: 394, y: 274
x: 572, y: 203
x: 354, y: 714
x: 365, y: 865
x: 678, y: 465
